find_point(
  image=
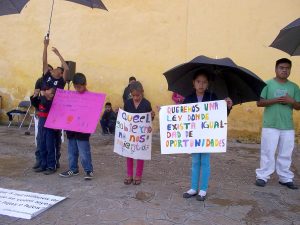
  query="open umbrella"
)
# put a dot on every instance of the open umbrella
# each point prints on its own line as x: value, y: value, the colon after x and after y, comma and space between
x: 226, y: 79
x: 11, y: 6
x: 90, y: 3
x: 288, y: 39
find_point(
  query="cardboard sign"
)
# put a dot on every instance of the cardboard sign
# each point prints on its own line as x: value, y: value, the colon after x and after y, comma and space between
x: 26, y: 205
x: 133, y: 135
x: 75, y: 111
x: 193, y: 128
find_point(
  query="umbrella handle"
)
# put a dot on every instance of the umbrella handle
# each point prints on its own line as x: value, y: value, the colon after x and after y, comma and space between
x: 48, y: 33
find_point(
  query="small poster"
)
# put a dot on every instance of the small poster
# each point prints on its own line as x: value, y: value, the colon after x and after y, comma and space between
x: 133, y: 135
x: 193, y: 128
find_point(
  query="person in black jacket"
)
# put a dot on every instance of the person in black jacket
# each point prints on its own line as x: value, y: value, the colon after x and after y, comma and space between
x: 201, y: 161
x: 46, y: 136
x: 126, y: 93
x: 137, y: 104
x: 108, y: 120
x: 78, y: 143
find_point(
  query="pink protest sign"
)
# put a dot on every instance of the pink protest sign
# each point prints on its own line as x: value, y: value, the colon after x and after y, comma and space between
x: 73, y: 111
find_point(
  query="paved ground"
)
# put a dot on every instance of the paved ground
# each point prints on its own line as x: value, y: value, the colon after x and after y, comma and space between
x: 232, y: 196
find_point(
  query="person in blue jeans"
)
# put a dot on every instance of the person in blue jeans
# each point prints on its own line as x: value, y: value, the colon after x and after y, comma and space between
x: 201, y: 161
x: 45, y: 137
x: 78, y: 143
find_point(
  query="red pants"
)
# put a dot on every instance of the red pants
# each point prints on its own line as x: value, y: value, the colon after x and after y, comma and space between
x: 139, y: 167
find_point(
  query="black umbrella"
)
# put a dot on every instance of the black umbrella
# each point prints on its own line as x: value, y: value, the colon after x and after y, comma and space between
x: 288, y: 39
x: 11, y: 6
x: 90, y: 3
x: 226, y: 79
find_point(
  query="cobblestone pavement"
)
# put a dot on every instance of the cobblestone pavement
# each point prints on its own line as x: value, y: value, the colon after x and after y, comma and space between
x: 232, y: 196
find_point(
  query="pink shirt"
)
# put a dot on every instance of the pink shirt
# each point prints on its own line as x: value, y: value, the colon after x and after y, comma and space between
x: 177, y: 98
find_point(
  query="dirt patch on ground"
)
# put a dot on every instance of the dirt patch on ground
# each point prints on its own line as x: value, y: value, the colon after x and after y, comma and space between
x: 11, y: 166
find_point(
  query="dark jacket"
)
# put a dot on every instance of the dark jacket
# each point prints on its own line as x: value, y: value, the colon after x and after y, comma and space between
x: 126, y: 94
x: 109, y: 116
x: 78, y: 135
x: 208, y: 96
x: 41, y: 104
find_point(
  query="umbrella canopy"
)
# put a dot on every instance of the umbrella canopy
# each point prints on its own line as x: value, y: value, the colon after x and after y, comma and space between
x: 90, y: 3
x: 11, y: 6
x: 288, y: 39
x: 226, y: 79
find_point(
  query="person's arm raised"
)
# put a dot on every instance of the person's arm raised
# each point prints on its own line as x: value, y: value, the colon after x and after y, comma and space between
x: 63, y: 62
x: 45, y: 55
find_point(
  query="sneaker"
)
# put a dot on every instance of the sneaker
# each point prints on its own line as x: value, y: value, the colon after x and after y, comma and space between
x: 39, y: 169
x: 190, y: 193
x: 89, y: 176
x: 49, y: 171
x: 290, y: 185
x: 260, y: 183
x: 200, y: 198
x: 187, y: 195
x: 36, y: 165
x: 69, y: 173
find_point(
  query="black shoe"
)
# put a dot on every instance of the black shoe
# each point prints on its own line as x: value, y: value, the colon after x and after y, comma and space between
x: 187, y: 195
x: 200, y: 198
x: 260, y: 183
x: 36, y: 165
x: 290, y: 185
x: 69, y: 173
x: 39, y: 169
x: 49, y: 171
x: 89, y: 176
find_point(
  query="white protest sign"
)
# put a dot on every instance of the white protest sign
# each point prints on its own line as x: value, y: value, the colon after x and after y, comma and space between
x: 23, y: 204
x: 133, y: 135
x: 193, y: 128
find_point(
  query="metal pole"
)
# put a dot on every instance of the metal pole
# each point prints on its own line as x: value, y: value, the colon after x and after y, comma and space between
x: 48, y: 33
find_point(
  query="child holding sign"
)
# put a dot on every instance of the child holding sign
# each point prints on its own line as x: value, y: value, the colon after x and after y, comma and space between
x: 201, y: 161
x: 78, y: 143
x: 137, y: 104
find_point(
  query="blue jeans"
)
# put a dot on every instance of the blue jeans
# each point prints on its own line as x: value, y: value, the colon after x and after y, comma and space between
x: 200, y: 161
x: 80, y: 148
x: 58, y: 144
x: 57, y: 134
x: 46, y: 146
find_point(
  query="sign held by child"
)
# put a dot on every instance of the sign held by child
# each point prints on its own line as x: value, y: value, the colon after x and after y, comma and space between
x: 193, y: 128
x: 75, y: 111
x: 133, y: 135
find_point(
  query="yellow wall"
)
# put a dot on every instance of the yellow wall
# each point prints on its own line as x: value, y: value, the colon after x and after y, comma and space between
x: 144, y: 38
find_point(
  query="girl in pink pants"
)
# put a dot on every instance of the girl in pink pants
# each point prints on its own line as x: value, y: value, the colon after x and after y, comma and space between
x: 137, y: 104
